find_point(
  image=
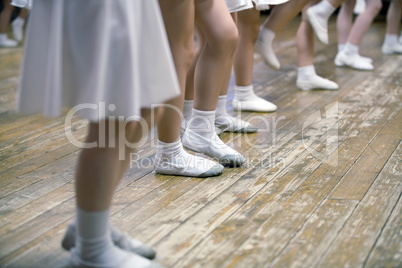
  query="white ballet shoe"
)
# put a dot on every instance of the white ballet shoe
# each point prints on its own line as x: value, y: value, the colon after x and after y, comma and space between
x: 227, y: 123
x: 188, y: 165
x: 5, y: 42
x: 394, y: 48
x: 316, y: 82
x: 123, y: 241
x: 255, y: 105
x: 353, y: 61
x: 263, y: 47
x: 17, y: 28
x: 320, y: 26
x: 213, y: 147
x: 129, y: 261
x: 339, y: 63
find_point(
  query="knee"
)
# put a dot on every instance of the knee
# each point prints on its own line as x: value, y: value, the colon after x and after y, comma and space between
x: 375, y: 7
x: 227, y: 41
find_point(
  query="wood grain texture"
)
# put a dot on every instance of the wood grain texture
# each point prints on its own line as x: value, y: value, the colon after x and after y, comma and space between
x: 321, y: 186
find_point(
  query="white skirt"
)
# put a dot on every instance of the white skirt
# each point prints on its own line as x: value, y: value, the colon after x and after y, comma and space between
x: 239, y: 5
x: 96, y: 53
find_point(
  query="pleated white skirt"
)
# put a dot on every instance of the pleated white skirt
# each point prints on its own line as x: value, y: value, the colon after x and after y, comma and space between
x: 239, y: 5
x: 96, y: 53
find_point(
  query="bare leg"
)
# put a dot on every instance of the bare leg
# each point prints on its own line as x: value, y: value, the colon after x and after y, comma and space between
x: 215, y: 23
x: 179, y: 22
x: 344, y: 21
x: 394, y: 17
x: 282, y: 14
x: 5, y: 16
x: 245, y: 98
x: 363, y: 21
x: 249, y: 27
x: 220, y: 32
x: 391, y: 44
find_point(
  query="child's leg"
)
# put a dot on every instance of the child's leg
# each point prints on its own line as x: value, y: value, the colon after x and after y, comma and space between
x: 350, y: 53
x: 280, y: 16
x: 344, y: 22
x: 98, y: 172
x: 318, y: 16
x: 5, y: 16
x: 307, y: 78
x: 363, y: 22
x: 171, y: 158
x: 391, y: 44
x: 245, y: 99
x: 214, y: 21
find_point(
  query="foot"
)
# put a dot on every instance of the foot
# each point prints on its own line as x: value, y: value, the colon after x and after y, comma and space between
x: 213, y: 147
x: 227, y: 123
x: 394, y: 48
x: 263, y: 46
x: 339, y: 63
x: 119, y: 239
x: 5, y: 42
x: 354, y: 61
x: 316, y: 82
x: 114, y: 257
x: 255, y: 104
x: 319, y: 24
x: 17, y: 27
x: 187, y: 165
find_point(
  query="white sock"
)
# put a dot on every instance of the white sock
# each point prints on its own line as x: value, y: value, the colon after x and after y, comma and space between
x: 172, y: 159
x: 351, y: 49
x: 203, y: 123
x: 244, y: 93
x: 221, y: 106
x: 306, y: 72
x: 341, y: 46
x: 391, y: 39
x: 267, y: 34
x: 3, y: 36
x: 324, y: 9
x: 187, y: 111
x: 94, y: 242
x: 19, y: 20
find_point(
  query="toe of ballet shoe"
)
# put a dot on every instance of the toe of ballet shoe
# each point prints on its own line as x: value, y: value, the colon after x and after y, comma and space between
x: 214, y: 171
x: 254, y: 106
x: 234, y: 160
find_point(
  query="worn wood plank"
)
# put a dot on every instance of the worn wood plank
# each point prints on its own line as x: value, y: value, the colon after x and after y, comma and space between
x: 355, y: 241
x: 387, y: 251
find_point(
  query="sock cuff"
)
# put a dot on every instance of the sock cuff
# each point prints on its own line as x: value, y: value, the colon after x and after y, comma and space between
x: 244, y: 88
x: 267, y: 32
x: 202, y: 113
x: 306, y: 70
x: 341, y: 46
x: 222, y: 97
x: 166, y: 145
x: 92, y: 224
x: 352, y: 47
x: 188, y: 102
x: 391, y: 38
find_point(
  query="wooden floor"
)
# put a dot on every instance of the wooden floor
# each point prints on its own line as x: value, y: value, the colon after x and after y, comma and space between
x: 321, y: 188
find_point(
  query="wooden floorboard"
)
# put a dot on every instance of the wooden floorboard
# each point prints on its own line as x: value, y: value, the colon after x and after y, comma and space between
x: 321, y: 187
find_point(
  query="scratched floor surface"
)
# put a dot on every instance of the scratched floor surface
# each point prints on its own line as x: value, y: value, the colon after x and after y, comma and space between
x: 321, y: 187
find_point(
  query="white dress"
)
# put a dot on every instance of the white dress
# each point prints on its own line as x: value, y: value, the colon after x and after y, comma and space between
x: 96, y: 53
x: 239, y: 5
